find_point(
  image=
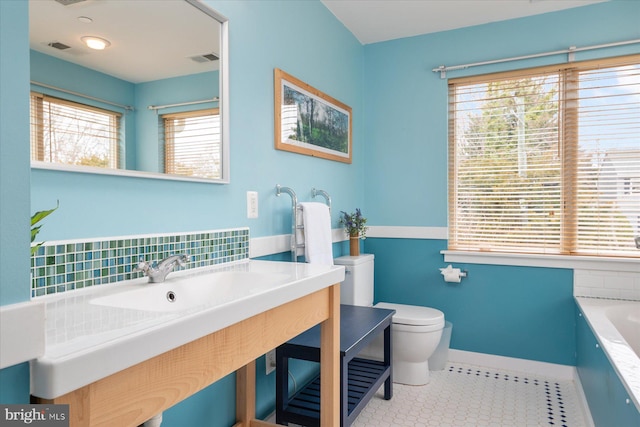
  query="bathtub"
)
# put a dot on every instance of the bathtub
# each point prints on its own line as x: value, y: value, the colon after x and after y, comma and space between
x: 616, y: 325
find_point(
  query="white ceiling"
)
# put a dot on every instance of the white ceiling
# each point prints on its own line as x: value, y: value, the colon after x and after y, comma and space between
x: 374, y: 21
x: 154, y: 39
x: 150, y: 39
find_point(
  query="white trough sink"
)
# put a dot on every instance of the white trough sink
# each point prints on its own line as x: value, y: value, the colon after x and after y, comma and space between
x: 95, y: 332
x: 191, y: 292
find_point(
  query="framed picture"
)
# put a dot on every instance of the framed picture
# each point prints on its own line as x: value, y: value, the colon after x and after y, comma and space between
x: 310, y: 122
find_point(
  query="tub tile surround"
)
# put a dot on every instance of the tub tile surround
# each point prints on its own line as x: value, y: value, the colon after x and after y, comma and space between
x: 623, y: 285
x: 66, y: 265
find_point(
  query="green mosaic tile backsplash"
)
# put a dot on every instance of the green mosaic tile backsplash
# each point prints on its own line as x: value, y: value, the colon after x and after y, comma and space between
x: 67, y: 265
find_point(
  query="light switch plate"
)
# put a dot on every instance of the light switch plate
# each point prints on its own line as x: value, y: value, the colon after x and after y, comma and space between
x: 252, y: 204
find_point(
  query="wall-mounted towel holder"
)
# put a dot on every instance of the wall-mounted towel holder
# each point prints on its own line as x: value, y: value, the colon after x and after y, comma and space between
x: 322, y: 193
x: 296, y: 219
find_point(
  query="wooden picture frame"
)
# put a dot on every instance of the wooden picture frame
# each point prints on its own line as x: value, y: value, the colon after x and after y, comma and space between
x: 310, y: 122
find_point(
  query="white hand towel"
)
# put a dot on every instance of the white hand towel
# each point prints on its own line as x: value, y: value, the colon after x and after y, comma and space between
x: 317, y: 233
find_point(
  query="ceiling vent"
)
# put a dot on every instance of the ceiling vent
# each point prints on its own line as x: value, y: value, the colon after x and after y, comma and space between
x: 207, y: 57
x: 58, y: 45
x: 69, y: 2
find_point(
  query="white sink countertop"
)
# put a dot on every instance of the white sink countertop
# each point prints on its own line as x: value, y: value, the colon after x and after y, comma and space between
x: 23, y: 343
x: 95, y: 332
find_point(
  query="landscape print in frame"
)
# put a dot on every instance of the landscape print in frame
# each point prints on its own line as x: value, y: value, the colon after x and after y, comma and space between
x: 310, y: 122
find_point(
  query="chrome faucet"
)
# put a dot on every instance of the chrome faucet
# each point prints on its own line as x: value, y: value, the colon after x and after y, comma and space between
x: 157, y: 272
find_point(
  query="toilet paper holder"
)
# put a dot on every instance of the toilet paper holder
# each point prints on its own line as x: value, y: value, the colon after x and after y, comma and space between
x: 453, y: 275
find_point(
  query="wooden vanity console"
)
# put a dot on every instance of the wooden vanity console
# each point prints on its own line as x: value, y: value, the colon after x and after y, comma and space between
x: 135, y: 394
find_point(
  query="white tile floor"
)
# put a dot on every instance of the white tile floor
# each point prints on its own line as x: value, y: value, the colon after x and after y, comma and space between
x: 473, y: 396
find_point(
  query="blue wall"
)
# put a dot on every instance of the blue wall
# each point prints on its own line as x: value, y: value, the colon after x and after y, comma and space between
x: 55, y: 72
x: 399, y: 132
x: 14, y: 152
x: 175, y: 90
x: 298, y: 37
x: 522, y: 312
x: 509, y: 311
x: 14, y: 177
x: 66, y: 75
x: 260, y: 40
x: 406, y: 103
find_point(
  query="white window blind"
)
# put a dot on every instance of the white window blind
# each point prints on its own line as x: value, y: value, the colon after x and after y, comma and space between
x: 547, y: 160
x: 192, y: 143
x: 71, y: 133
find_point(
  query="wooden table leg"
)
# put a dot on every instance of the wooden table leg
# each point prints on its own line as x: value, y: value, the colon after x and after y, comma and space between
x: 330, y: 362
x: 246, y: 394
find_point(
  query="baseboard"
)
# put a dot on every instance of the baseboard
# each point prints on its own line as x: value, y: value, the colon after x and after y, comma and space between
x: 554, y: 370
x: 269, y: 245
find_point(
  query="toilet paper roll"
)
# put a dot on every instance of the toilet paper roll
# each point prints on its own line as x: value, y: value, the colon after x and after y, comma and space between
x: 452, y: 276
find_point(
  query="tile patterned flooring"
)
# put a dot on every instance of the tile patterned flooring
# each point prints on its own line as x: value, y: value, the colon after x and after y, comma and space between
x: 465, y: 395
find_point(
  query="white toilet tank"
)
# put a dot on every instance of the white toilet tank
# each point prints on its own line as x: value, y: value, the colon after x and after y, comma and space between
x: 357, y: 288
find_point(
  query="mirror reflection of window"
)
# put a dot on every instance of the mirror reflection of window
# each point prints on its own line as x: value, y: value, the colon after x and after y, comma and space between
x: 72, y: 133
x: 192, y: 143
x: 178, y: 58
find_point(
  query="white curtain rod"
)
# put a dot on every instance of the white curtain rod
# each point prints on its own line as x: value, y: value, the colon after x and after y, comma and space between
x: 571, y: 51
x: 181, y: 104
x: 82, y: 95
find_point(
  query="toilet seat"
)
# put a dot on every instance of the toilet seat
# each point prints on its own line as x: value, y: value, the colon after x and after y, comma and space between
x: 413, y: 315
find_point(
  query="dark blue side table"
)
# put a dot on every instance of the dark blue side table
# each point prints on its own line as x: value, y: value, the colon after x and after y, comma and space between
x: 360, y: 378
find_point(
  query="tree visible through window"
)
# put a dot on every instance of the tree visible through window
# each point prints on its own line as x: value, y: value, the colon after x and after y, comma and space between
x: 71, y: 133
x: 546, y: 160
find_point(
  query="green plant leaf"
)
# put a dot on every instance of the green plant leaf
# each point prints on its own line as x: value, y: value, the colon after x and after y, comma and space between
x: 34, y: 232
x: 40, y: 215
x: 35, y: 229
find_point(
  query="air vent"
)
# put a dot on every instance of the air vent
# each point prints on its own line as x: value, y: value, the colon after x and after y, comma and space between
x: 69, y: 2
x: 207, y: 57
x: 58, y: 45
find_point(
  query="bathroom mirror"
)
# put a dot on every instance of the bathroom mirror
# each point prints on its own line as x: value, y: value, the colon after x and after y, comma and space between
x: 150, y: 100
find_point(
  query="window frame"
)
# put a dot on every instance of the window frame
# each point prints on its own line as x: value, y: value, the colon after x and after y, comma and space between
x: 37, y: 130
x: 567, y: 138
x: 168, y: 141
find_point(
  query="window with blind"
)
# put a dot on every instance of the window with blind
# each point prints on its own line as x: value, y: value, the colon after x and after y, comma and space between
x: 192, y: 143
x: 72, y: 133
x: 547, y: 160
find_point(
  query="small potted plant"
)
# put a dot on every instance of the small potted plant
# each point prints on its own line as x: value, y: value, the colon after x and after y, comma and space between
x: 355, y: 226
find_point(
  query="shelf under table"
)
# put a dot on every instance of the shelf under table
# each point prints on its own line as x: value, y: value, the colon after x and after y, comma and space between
x: 360, y: 377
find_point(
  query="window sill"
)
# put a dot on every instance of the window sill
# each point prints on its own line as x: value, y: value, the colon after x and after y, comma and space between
x: 550, y: 261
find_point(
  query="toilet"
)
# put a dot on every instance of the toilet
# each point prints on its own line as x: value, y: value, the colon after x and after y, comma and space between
x: 415, y: 330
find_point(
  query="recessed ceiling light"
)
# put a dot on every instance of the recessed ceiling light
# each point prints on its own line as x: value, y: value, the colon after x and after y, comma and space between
x: 85, y: 19
x: 96, y: 43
